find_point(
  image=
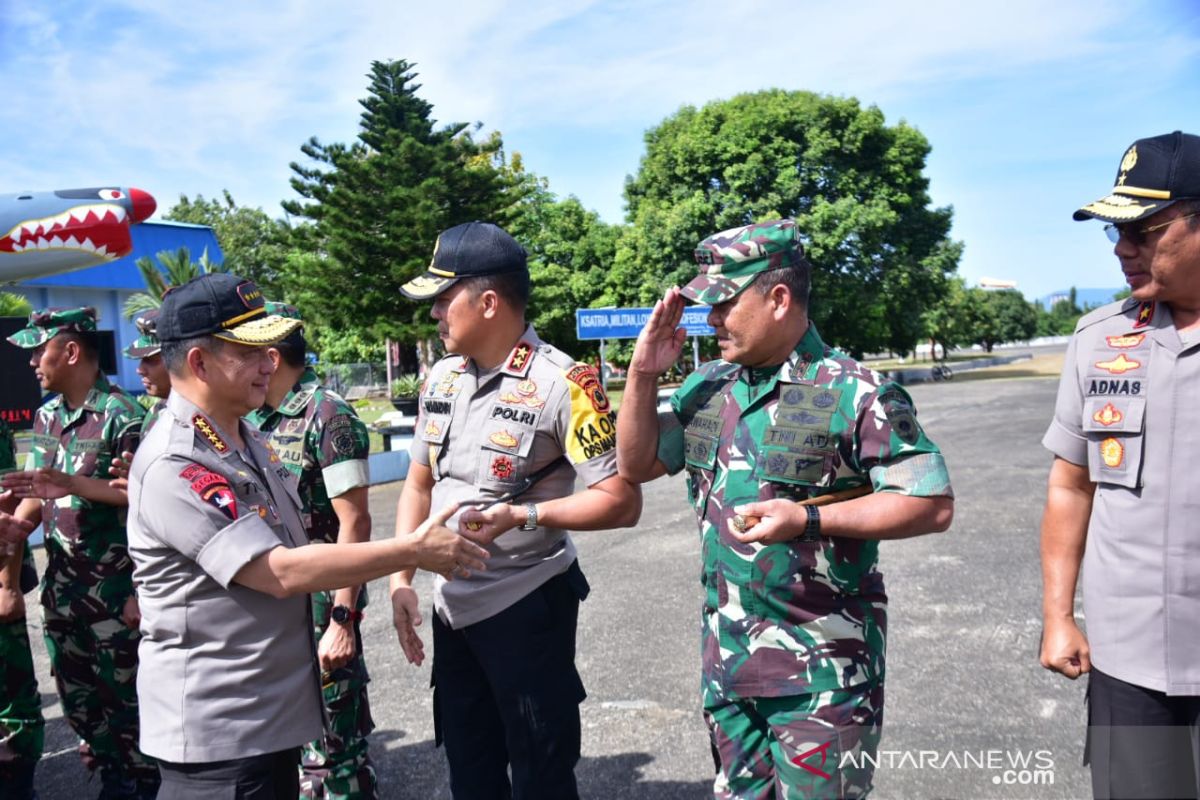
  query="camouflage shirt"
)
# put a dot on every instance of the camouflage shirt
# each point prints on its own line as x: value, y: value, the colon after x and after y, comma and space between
x: 795, y: 617
x: 88, y: 567
x: 152, y: 415
x: 323, y: 443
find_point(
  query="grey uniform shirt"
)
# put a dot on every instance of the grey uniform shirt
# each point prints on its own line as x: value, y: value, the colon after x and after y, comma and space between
x: 225, y: 671
x: 1127, y: 408
x: 480, y: 435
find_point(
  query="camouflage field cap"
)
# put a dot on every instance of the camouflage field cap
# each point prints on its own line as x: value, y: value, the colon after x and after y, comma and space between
x: 44, y: 325
x: 1153, y: 174
x: 283, y: 310
x: 146, y: 344
x: 730, y: 260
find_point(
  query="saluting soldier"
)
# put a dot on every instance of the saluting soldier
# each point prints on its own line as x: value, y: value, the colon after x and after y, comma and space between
x: 89, y: 607
x: 503, y: 409
x: 794, y: 615
x: 22, y: 727
x: 324, y: 444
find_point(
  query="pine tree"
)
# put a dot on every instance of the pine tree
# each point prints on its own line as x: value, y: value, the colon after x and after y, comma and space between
x: 377, y: 205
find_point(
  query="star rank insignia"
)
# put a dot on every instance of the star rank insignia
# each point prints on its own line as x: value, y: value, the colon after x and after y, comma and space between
x: 206, y: 430
x: 520, y: 357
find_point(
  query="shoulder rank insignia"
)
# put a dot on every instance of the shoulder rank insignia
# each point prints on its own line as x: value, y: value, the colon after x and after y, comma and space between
x: 1109, y: 415
x: 518, y: 360
x: 201, y: 423
x: 1119, y: 365
x: 1144, y: 315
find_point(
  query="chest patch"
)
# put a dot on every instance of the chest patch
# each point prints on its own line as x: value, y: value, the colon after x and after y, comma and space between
x: 1119, y: 365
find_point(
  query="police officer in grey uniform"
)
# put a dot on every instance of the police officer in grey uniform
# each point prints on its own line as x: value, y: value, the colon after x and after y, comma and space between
x: 229, y: 688
x: 505, y: 408
x: 1125, y: 486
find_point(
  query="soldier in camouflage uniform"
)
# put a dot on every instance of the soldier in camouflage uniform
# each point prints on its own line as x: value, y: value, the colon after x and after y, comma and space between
x: 324, y: 445
x: 21, y: 723
x: 794, y: 610
x: 155, y: 377
x: 90, y: 610
x: 153, y: 372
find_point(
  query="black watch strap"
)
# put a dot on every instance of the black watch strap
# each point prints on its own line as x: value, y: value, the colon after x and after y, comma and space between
x: 812, y: 527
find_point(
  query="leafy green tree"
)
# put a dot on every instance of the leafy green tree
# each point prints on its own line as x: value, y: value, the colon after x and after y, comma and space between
x: 570, y: 251
x: 1061, y: 318
x: 855, y: 185
x: 14, y: 305
x: 173, y: 269
x: 955, y: 316
x: 376, y: 206
x: 1007, y: 317
x: 254, y: 245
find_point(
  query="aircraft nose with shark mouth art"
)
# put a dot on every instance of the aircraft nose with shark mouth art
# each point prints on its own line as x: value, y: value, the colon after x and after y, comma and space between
x: 52, y: 232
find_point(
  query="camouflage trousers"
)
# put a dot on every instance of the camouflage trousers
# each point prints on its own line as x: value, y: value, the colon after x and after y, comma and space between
x: 95, y: 670
x: 338, y: 767
x: 22, y: 728
x: 804, y: 746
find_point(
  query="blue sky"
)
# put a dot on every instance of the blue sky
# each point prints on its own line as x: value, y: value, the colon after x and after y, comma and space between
x: 1028, y: 105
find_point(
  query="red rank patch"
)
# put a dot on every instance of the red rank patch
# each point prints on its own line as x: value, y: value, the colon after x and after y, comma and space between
x: 586, y: 378
x: 1144, y: 315
x: 520, y: 357
x: 502, y: 468
x: 1119, y: 365
x: 1125, y: 342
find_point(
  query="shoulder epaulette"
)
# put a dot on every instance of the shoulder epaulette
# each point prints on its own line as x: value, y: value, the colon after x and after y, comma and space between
x: 1113, y: 309
x: 555, y: 356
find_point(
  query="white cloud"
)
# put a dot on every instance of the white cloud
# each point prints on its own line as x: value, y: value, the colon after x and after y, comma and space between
x: 196, y: 97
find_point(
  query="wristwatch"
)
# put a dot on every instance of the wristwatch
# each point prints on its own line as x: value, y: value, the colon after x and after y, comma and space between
x: 531, y: 522
x: 345, y: 614
x: 812, y: 528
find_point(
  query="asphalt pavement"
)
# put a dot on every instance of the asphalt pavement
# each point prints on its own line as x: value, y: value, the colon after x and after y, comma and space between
x: 969, y: 712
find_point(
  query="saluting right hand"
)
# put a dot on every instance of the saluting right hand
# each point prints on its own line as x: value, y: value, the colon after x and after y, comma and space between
x: 1065, y: 648
x: 445, y: 552
x: 661, y: 341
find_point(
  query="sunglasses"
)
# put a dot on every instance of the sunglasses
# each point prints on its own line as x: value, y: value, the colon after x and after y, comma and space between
x: 1137, y: 236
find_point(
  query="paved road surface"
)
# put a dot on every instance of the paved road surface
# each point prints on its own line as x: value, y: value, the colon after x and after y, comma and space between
x: 964, y: 687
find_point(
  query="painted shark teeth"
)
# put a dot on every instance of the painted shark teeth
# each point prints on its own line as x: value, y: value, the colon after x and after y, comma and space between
x: 103, y: 213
